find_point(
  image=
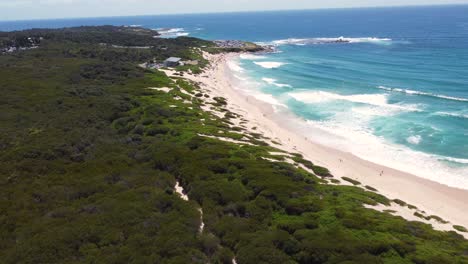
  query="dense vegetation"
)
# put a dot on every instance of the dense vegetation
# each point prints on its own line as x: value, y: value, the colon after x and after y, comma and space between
x: 108, y: 43
x: 89, y: 157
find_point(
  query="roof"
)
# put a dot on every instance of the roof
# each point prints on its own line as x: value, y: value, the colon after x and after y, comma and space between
x: 173, y: 59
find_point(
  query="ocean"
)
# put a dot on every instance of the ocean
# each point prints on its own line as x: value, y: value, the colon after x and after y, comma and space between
x: 387, y: 84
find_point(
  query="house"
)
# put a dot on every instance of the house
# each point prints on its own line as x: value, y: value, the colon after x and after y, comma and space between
x: 172, y: 62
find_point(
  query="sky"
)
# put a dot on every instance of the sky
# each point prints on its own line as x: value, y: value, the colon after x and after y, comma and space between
x: 43, y: 9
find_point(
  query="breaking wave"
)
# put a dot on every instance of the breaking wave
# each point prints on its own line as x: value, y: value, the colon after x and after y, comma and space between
x: 267, y: 98
x: 452, y: 114
x: 456, y: 160
x: 412, y: 92
x: 314, y: 41
x: 251, y: 57
x: 275, y: 83
x: 415, y: 140
x: 369, y: 99
x: 234, y: 66
x: 269, y: 64
x: 172, y: 32
x: 351, y: 137
x: 350, y: 126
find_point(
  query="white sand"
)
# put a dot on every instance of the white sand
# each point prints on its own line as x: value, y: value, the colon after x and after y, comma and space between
x: 202, y: 224
x: 449, y: 203
x: 180, y: 190
x: 230, y: 140
x: 163, y: 89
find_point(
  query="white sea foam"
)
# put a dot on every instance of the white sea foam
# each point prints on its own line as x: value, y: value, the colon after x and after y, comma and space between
x: 275, y: 83
x: 367, y: 112
x: 250, y: 87
x: 321, y: 96
x: 412, y: 92
x: 251, y: 57
x: 415, y: 140
x: 452, y: 114
x: 235, y: 66
x: 269, y: 64
x: 344, y: 133
x: 313, y: 41
x: 354, y: 40
x: 456, y: 160
x: 350, y: 131
x: 172, y: 32
x: 267, y: 98
x: 239, y: 77
x: 369, y: 99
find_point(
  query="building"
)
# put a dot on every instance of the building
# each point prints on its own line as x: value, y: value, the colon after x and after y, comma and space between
x: 172, y: 62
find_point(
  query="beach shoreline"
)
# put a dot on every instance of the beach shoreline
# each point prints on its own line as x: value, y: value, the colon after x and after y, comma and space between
x: 430, y: 198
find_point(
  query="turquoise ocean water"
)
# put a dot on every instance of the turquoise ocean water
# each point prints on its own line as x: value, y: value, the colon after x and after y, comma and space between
x: 388, y: 84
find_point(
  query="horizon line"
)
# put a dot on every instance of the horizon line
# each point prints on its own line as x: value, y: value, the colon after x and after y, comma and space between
x: 234, y: 12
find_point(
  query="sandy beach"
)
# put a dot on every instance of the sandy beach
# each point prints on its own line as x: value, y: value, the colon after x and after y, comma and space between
x: 430, y: 198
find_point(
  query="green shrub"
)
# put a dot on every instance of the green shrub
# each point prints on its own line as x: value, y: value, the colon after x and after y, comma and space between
x: 321, y: 171
x: 371, y: 188
x: 352, y: 181
x: 460, y: 228
x: 417, y: 214
x: 335, y: 181
x: 400, y: 202
x: 220, y: 101
x: 437, y: 218
x: 157, y: 131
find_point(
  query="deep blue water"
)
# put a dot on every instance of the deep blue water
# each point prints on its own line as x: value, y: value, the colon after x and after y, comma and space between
x: 397, y: 94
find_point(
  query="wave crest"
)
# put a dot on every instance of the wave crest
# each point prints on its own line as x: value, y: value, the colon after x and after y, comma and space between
x: 412, y: 92
x: 251, y: 57
x: 415, y: 140
x: 452, y: 114
x: 234, y: 66
x: 275, y: 83
x: 369, y: 99
x: 455, y: 160
x: 313, y: 41
x: 172, y: 32
x: 269, y: 64
x: 321, y: 97
x: 355, y: 138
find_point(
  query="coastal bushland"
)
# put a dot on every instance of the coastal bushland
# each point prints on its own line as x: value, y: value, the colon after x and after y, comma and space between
x: 89, y: 157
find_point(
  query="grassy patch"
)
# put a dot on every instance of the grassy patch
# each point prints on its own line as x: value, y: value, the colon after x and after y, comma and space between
x: 460, y: 228
x: 352, y: 181
x: 371, y: 188
x: 400, y: 202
